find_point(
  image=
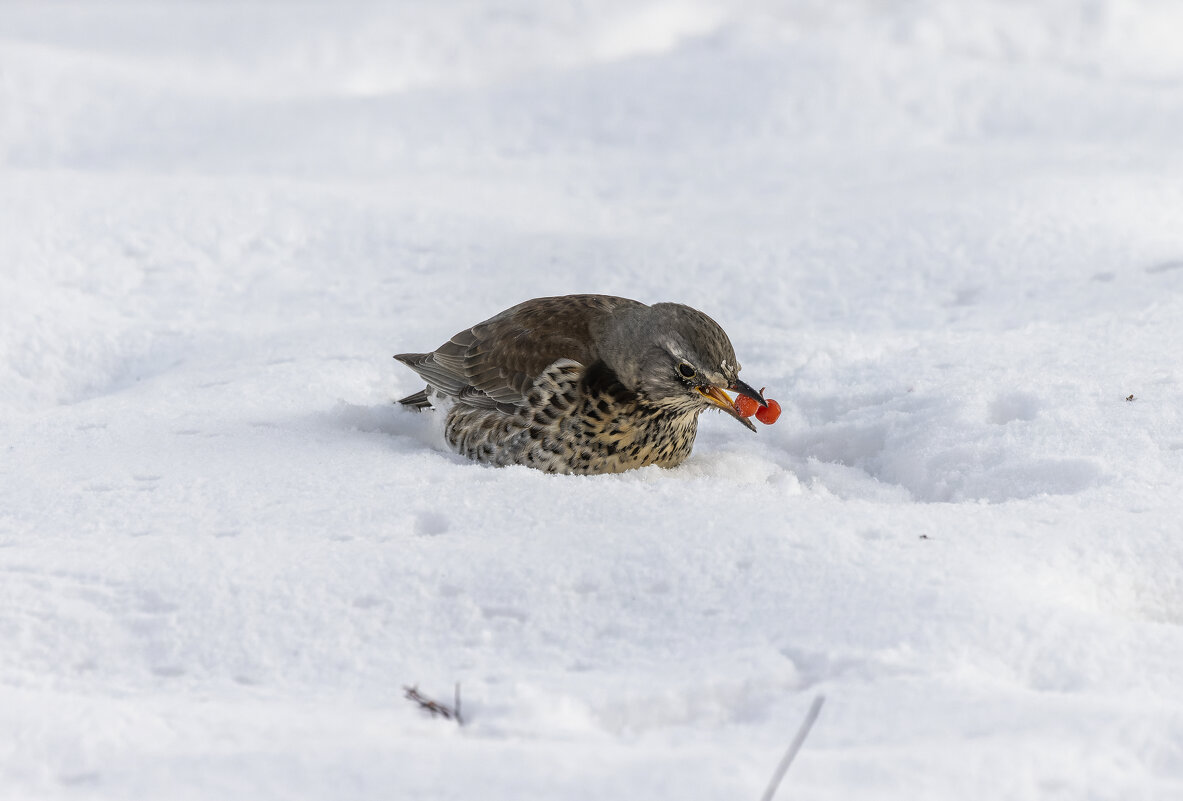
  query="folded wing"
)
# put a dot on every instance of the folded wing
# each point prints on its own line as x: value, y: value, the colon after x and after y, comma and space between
x: 494, y: 363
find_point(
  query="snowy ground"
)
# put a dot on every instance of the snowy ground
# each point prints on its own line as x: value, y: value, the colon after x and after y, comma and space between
x: 947, y: 236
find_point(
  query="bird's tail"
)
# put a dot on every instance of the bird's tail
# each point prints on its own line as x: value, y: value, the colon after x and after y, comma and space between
x: 418, y: 400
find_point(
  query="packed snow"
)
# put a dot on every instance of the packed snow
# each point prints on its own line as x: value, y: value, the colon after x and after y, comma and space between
x: 947, y: 237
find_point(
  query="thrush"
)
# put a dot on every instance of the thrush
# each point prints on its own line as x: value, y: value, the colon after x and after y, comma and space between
x: 581, y: 384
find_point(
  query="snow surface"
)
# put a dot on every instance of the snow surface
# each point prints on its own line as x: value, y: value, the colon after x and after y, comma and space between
x: 948, y: 237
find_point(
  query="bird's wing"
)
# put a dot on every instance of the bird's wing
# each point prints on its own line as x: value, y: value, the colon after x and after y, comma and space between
x: 497, y: 361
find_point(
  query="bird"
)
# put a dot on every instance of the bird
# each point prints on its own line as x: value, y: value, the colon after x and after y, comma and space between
x: 581, y: 384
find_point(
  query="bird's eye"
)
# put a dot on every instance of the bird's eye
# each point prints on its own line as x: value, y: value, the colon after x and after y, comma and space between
x: 686, y: 370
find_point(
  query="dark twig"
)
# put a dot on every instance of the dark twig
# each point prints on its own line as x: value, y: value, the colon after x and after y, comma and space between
x: 435, y: 707
x: 794, y: 747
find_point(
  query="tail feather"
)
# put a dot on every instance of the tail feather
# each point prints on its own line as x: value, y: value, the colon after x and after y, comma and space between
x: 418, y: 401
x: 437, y: 376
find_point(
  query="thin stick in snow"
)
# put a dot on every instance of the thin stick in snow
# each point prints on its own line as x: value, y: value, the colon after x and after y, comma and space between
x: 794, y: 747
x: 435, y: 707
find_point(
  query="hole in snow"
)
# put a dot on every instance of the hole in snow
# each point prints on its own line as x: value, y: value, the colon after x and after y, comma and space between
x: 1013, y: 406
x: 1165, y: 267
x: 430, y: 524
x: 968, y: 296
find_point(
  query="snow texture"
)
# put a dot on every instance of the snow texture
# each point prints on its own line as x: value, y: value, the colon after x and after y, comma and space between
x: 948, y: 237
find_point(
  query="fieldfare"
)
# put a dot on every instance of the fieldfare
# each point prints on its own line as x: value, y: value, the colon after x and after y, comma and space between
x: 581, y: 384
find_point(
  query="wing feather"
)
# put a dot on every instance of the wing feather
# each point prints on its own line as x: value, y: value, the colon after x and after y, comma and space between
x: 495, y: 362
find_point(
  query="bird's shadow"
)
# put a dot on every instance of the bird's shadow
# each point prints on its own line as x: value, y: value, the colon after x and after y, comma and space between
x: 390, y: 419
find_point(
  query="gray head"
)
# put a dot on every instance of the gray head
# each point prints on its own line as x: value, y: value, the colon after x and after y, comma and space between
x: 674, y: 356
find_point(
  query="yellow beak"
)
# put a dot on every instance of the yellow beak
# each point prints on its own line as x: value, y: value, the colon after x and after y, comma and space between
x: 720, y: 399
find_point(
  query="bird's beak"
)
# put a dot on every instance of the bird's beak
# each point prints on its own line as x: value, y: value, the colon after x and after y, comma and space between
x: 719, y: 399
x: 740, y: 388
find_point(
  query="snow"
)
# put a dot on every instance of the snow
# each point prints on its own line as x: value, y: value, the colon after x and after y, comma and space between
x: 945, y: 236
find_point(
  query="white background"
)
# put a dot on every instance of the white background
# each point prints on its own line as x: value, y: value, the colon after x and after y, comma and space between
x: 948, y: 237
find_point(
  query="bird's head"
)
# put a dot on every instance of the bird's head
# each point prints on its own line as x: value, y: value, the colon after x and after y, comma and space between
x: 676, y: 357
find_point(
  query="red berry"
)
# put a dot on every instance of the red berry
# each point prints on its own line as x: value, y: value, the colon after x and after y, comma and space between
x: 768, y: 415
x: 746, y: 406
